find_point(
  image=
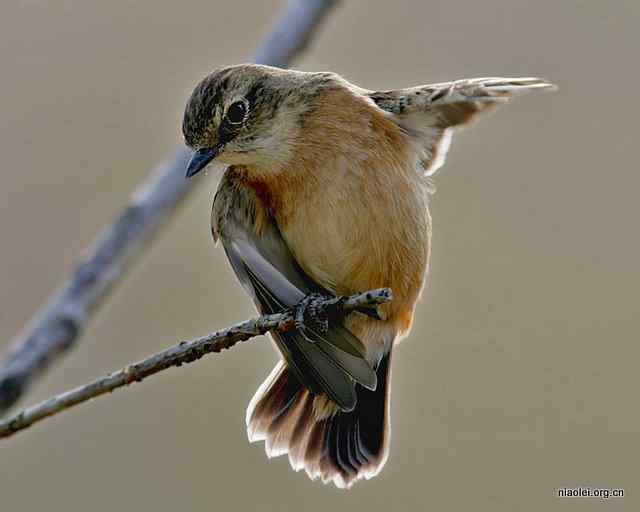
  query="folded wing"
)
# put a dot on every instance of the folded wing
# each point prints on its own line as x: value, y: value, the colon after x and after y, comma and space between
x: 268, y: 271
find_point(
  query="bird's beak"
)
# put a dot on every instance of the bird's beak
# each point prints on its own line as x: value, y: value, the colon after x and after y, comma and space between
x: 201, y: 158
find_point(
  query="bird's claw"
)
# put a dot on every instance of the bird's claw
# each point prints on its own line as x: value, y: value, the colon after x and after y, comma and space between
x: 311, y: 316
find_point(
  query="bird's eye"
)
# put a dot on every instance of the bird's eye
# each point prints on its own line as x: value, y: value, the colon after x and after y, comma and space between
x: 237, y: 112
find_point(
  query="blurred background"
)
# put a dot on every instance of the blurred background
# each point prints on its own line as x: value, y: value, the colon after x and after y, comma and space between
x: 521, y: 373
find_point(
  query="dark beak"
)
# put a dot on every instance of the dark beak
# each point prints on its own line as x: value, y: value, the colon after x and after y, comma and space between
x: 200, y: 159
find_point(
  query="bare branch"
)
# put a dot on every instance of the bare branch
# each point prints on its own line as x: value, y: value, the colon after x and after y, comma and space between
x: 185, y: 352
x: 59, y: 324
x: 292, y: 32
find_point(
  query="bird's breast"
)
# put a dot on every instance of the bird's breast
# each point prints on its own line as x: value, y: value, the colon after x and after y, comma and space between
x: 358, y: 231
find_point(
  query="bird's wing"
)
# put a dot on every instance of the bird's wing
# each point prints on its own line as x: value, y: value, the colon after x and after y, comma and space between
x: 431, y: 112
x: 270, y: 274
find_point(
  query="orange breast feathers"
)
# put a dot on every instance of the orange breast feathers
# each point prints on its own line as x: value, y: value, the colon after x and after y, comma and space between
x: 352, y: 204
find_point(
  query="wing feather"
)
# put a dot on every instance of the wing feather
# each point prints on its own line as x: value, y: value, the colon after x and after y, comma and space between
x: 267, y: 270
x: 431, y: 113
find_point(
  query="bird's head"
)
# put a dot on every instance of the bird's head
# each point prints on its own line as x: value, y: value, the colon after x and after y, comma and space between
x: 248, y: 115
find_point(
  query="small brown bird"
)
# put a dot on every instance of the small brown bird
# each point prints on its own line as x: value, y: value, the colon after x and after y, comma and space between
x: 327, y: 193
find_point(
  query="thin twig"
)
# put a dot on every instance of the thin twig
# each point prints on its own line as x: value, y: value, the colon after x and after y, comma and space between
x: 59, y: 324
x: 185, y: 352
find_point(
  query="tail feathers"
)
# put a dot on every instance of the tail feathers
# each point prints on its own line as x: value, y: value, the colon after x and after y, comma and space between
x: 343, y: 447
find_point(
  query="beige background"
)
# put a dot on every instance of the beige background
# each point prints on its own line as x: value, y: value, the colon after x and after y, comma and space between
x: 521, y: 374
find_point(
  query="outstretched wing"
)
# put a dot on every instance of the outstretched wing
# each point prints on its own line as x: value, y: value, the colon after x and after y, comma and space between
x: 431, y: 112
x: 270, y: 274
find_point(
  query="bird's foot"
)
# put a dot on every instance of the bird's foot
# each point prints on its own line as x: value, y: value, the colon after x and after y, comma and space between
x: 312, y: 315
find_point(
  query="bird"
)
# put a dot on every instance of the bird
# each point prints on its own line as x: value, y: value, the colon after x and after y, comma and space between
x: 326, y: 193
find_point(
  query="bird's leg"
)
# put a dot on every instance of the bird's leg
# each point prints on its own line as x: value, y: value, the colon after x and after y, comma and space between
x: 313, y: 313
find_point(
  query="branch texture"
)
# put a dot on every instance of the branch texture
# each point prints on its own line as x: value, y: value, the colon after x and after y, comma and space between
x: 59, y: 324
x: 184, y: 352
